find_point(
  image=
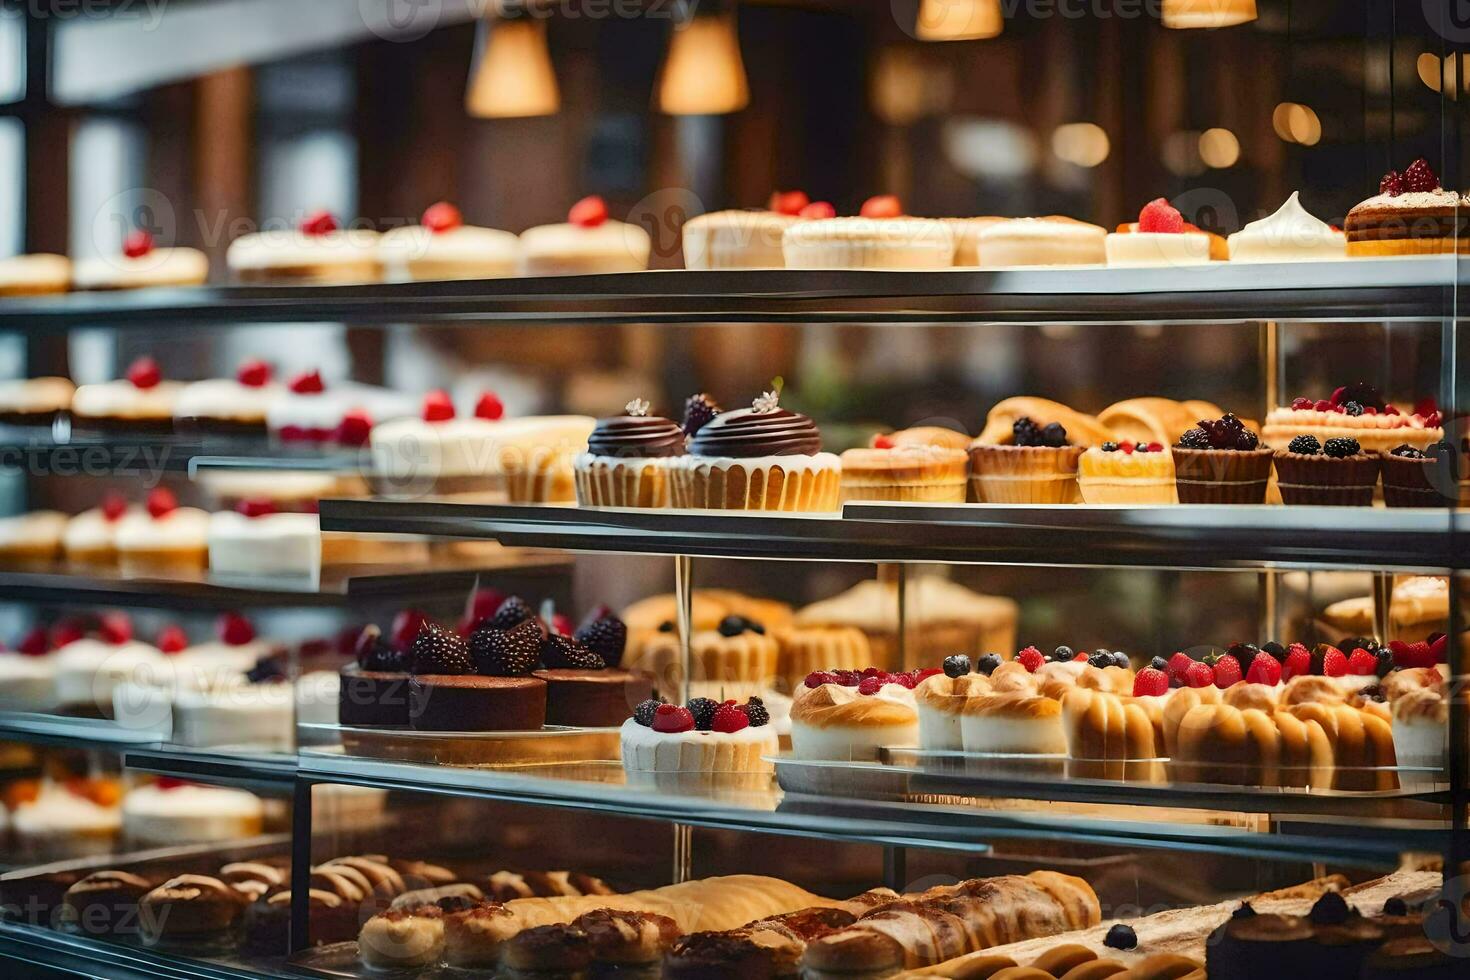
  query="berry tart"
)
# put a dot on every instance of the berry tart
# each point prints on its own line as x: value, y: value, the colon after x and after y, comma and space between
x: 1289, y: 235
x: 1160, y: 237
x: 32, y: 537
x: 1411, y: 215
x: 91, y: 537
x: 1036, y: 464
x: 759, y: 458
x: 439, y: 452
x: 1421, y: 478
x: 1127, y: 473
x: 627, y: 460
x: 228, y: 405
x: 35, y: 275
x: 255, y: 539
x: 344, y: 413
x: 735, y: 659
x: 850, y: 715
x: 889, y: 471
x: 1053, y: 240
x: 1221, y: 462
x: 449, y: 691
x: 588, y: 242
x: 163, y: 534
x: 141, y: 264
x: 317, y: 250
x: 34, y: 401
x: 442, y: 246
x: 743, y: 239
x: 142, y: 401
x: 881, y: 237
x: 1338, y: 473
x: 1355, y: 411
x: 703, y: 737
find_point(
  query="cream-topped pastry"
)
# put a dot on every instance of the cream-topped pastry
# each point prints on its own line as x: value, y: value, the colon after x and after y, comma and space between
x: 832, y: 721
x: 668, y: 738
x: 34, y: 401
x: 1354, y: 411
x: 343, y: 412
x: 440, y: 452
x: 1127, y: 473
x: 140, y: 400
x: 87, y: 671
x: 91, y: 536
x: 164, y: 533
x: 1053, y: 240
x: 881, y: 237
x: 588, y: 242
x: 168, y: 812
x: 62, y: 823
x: 140, y: 265
x: 35, y: 536
x: 34, y: 275
x: 1292, y: 234
x: 442, y: 246
x: 1421, y: 735
x: 749, y: 239
x: 941, y: 701
x: 1015, y: 718
x: 1161, y: 237
x: 255, y: 539
x: 237, y: 404
x: 319, y: 250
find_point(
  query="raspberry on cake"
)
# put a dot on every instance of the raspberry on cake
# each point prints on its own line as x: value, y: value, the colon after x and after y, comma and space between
x: 835, y: 720
x: 163, y: 534
x: 1161, y: 236
x: 1355, y: 411
x: 1127, y: 473
x: 318, y: 250
x: 311, y: 410
x: 440, y: 452
x: 255, y: 539
x: 742, y: 239
x: 141, y: 263
x: 881, y: 237
x: 442, y: 246
x: 141, y: 401
x: 229, y: 405
x: 1411, y: 215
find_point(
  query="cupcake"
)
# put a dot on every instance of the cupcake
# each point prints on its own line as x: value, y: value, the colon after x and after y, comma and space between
x: 742, y: 239
x: 758, y: 458
x: 1411, y: 215
x: 142, y: 401
x: 588, y: 242
x: 1339, y: 472
x: 1160, y: 237
x: 1037, y: 466
x: 881, y: 237
x: 1127, y: 473
x: 1420, y: 478
x: 228, y: 405
x: 442, y: 246
x: 928, y: 474
x: 140, y: 265
x: 627, y: 459
x: 1221, y: 462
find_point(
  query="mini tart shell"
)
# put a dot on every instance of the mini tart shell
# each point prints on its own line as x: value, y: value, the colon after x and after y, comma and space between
x: 931, y: 474
x: 1126, y: 478
x: 1222, y: 476
x: 1417, y: 482
x: 615, y: 481
x: 1025, y: 474
x: 1347, y: 481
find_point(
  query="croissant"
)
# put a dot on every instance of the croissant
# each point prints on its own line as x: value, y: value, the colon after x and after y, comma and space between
x: 1160, y: 420
x: 1082, y: 429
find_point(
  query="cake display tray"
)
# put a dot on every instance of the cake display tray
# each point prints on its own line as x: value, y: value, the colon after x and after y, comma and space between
x: 551, y: 744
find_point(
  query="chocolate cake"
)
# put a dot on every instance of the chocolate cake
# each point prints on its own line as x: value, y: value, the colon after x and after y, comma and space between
x: 474, y: 703
x: 371, y: 697
x: 592, y: 698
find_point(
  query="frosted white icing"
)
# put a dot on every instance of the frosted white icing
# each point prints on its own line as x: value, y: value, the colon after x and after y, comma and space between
x: 645, y: 750
x: 612, y: 246
x: 324, y: 410
x: 181, y: 529
x: 412, y: 448
x: 125, y: 400
x: 57, y: 810
x: 858, y: 742
x: 241, y: 713
x: 1292, y: 234
x: 190, y: 815
x: 1438, y: 198
x: 466, y: 252
x: 274, y: 544
x: 91, y: 532
x: 226, y: 398
x: 939, y: 730
x: 87, y: 670
x: 1010, y: 734
x: 38, y: 531
x: 40, y: 273
x: 35, y: 395
x: 160, y: 267
x: 27, y: 683
x: 1144, y: 248
x: 1041, y: 241
x: 288, y: 250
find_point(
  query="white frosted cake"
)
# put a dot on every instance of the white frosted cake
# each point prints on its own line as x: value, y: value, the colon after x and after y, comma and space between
x: 260, y: 542
x: 170, y: 814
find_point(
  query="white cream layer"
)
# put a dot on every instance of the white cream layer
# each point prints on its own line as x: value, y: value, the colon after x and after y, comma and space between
x: 226, y: 398
x: 275, y: 544
x: 1144, y: 248
x: 645, y: 750
x: 87, y: 670
x: 124, y: 400
x: 1290, y: 235
x: 467, y: 252
x: 183, y: 529
x: 612, y: 246
x: 1031, y: 736
x: 160, y: 267
x: 190, y: 815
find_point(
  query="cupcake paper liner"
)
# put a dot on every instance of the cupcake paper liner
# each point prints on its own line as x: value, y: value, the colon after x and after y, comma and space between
x: 1222, y: 476
x: 612, y: 482
x: 754, y: 486
x: 1325, y: 480
x: 1025, y: 474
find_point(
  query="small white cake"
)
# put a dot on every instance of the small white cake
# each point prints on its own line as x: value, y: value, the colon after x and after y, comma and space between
x: 172, y: 814
x: 312, y: 411
x: 35, y: 536
x: 163, y: 534
x: 440, y: 452
x: 39, y: 274
x: 647, y: 750
x: 836, y: 722
x: 141, y: 264
x: 1013, y: 723
x: 91, y: 536
x: 259, y: 542
x: 941, y: 702
x: 237, y: 404
x: 1421, y: 736
x: 442, y: 246
x: 1054, y: 240
x: 1142, y: 248
x: 141, y: 399
x: 736, y: 240
x: 236, y: 712
x: 27, y: 682
x: 34, y: 401
x: 88, y: 669
x: 587, y: 243
x: 1292, y: 234
x: 59, y: 823
x: 869, y: 243
x: 316, y: 251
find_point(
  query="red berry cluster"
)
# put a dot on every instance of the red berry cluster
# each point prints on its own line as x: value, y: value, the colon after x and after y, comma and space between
x: 870, y: 680
x: 1418, y: 177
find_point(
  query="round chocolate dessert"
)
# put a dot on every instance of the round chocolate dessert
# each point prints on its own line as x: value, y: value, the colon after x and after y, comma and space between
x: 750, y: 432
x: 372, y: 697
x: 636, y: 437
x: 592, y: 698
x: 474, y: 703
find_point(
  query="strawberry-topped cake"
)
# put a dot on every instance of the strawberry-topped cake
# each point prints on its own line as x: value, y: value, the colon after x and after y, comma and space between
x: 442, y: 246
x: 317, y: 250
x: 588, y: 242
x: 848, y: 715
x: 1355, y: 411
x: 142, y: 400
x: 441, y: 451
x: 91, y: 536
x: 256, y: 539
x: 229, y: 405
x: 163, y: 534
x: 1161, y: 236
x: 141, y: 263
x: 749, y: 239
x: 28, y: 673
x: 882, y: 236
x: 1411, y: 215
x: 312, y: 411
x: 701, y: 738
x: 102, y: 655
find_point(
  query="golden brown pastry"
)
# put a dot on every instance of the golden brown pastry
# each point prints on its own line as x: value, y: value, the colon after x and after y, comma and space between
x: 1110, y: 737
x: 190, y: 907
x: 104, y: 902
x: 1082, y: 429
x: 403, y: 938
x: 473, y: 937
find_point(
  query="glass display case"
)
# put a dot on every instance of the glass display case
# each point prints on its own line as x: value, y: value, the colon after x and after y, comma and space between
x: 1097, y: 614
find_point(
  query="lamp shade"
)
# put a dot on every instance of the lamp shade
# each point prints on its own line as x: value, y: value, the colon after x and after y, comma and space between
x: 512, y: 74
x: 1186, y: 14
x: 703, y: 73
x: 958, y: 20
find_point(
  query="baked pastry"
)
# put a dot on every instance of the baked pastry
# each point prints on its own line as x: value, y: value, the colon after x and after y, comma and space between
x: 1421, y: 736
x: 760, y: 458
x: 141, y: 401
x: 967, y: 238
x: 1160, y: 237
x: 190, y: 908
x: 442, y: 246
x: 1014, y: 717
x: 1420, y: 606
x: 171, y: 812
x: 736, y: 659
x: 921, y: 435
x: 141, y: 264
x: 534, y: 456
x: 1339, y: 473
x: 34, y: 401
x: 318, y: 250
x: 255, y: 540
x: 1127, y: 473
x: 927, y: 474
x: 834, y: 721
x: 1332, y: 937
x: 228, y: 405
x: 586, y: 244
x: 34, y: 536
x: 163, y: 535
x: 1354, y: 411
x: 702, y: 739
x: 940, y: 701
x: 1412, y: 478
x: 1053, y: 240
x: 1000, y: 421
x: 627, y: 460
x: 439, y: 452
x: 626, y: 940
x: 1411, y: 215
x: 39, y: 274
x: 742, y: 239
x: 104, y: 903
x: 1036, y: 465
x: 503, y: 886
x: 1361, y: 741
x: 403, y: 938
x: 880, y: 238
x: 803, y: 649
x: 1219, y: 743
x: 1290, y: 235
x: 1110, y: 737
x: 91, y: 536
x: 1221, y: 462
x: 1149, y: 419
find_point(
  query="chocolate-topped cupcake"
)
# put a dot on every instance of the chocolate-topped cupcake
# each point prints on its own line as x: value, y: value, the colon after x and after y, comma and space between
x: 758, y: 458
x: 627, y: 459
